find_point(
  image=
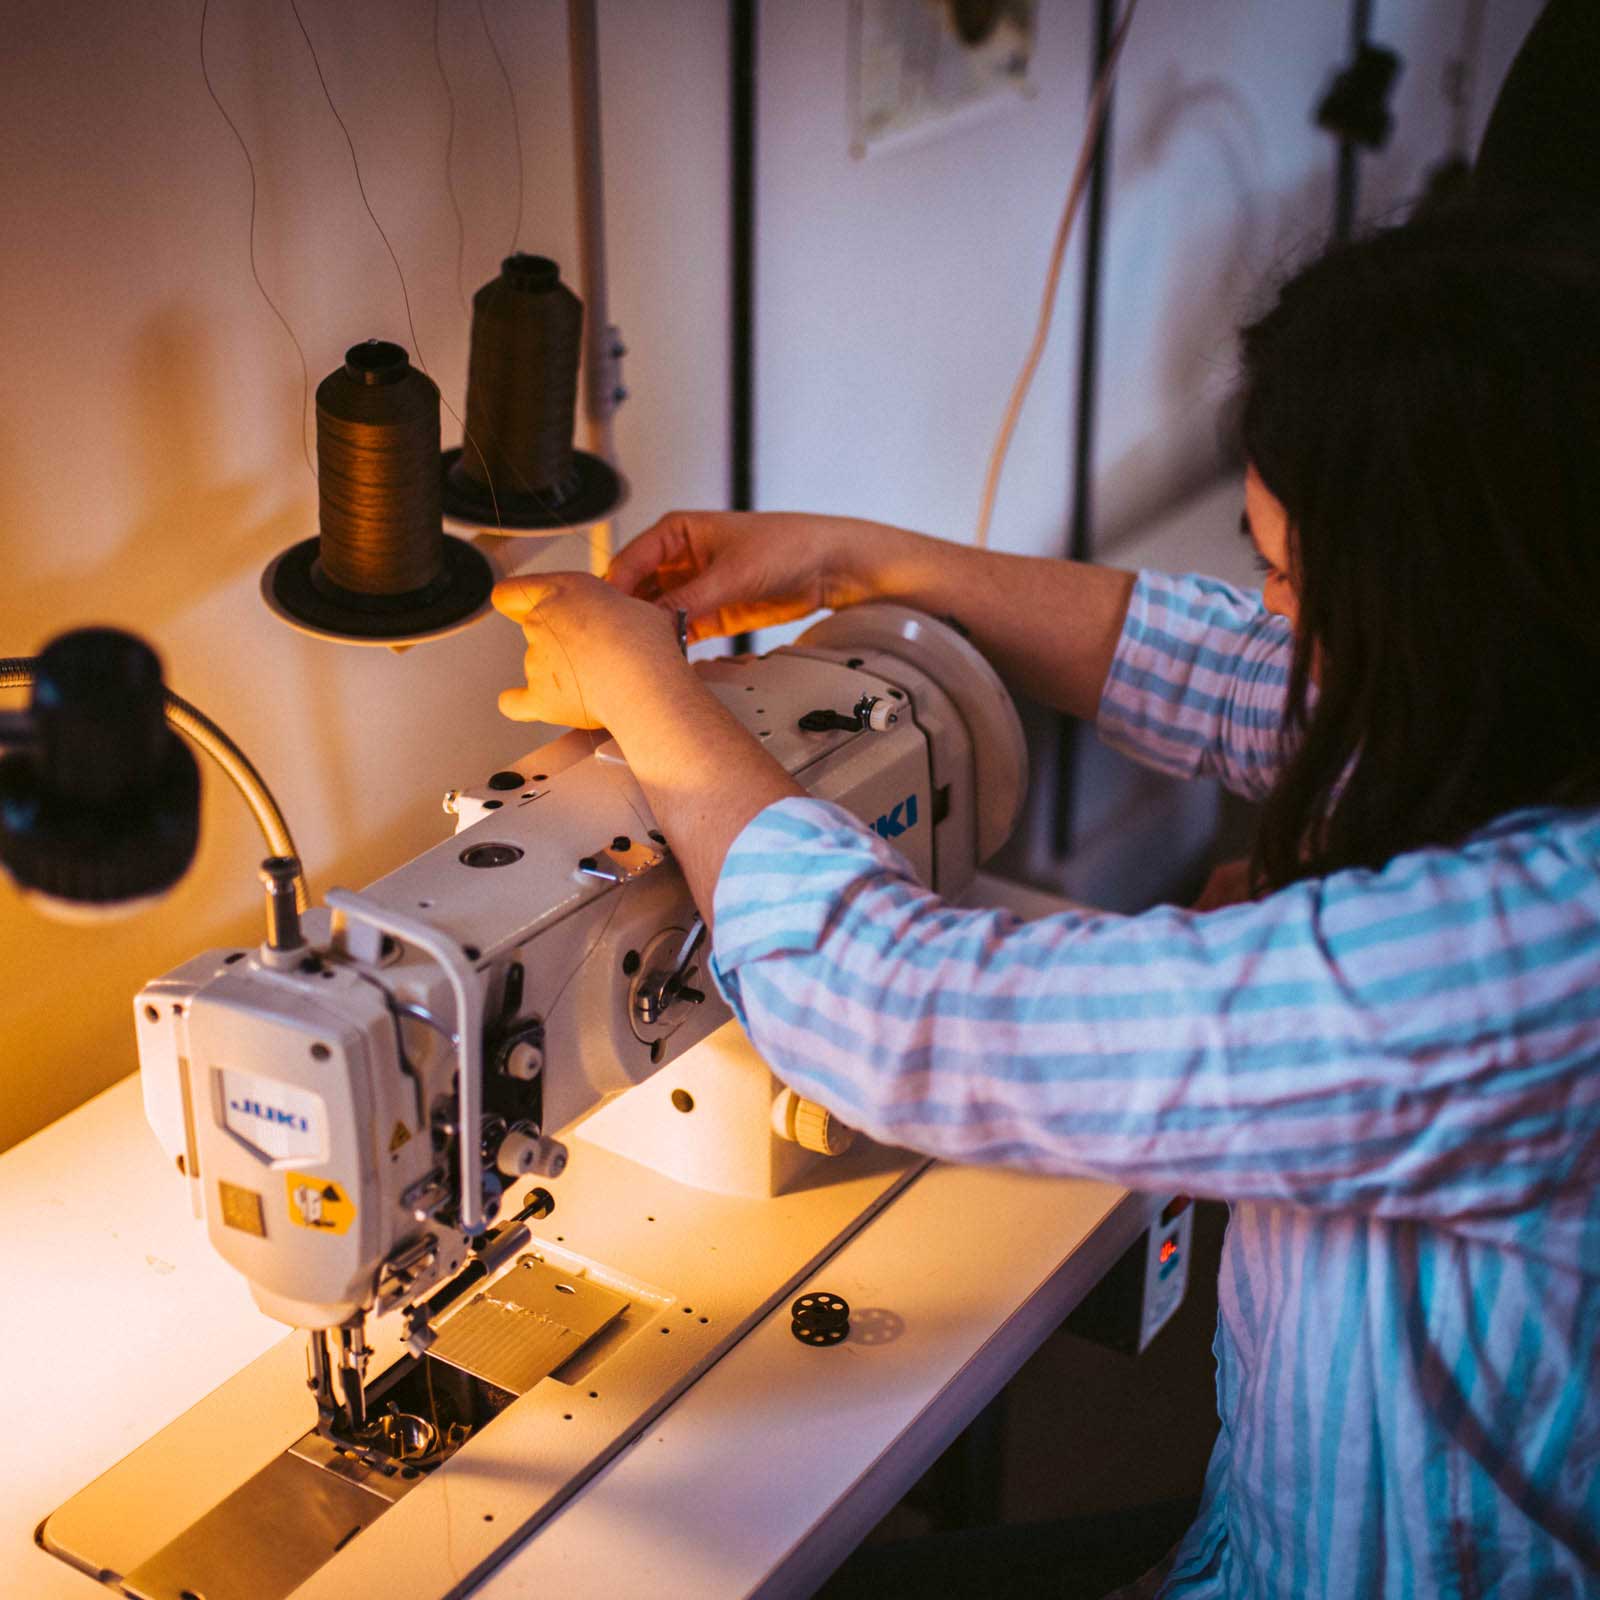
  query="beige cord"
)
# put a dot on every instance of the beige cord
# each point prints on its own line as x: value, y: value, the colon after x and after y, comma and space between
x: 1097, y: 115
x: 17, y: 673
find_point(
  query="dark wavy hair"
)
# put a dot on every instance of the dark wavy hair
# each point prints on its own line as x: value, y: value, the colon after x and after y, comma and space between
x: 1425, y: 403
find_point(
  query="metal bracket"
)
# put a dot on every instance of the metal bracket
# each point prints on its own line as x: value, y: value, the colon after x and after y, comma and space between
x: 622, y: 859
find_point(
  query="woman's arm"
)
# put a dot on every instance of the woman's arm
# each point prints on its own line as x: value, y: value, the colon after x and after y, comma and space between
x: 1050, y: 627
x: 1415, y: 1043
x: 1184, y: 674
x: 1198, y: 683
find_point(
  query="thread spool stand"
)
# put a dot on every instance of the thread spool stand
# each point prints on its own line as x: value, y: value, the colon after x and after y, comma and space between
x: 382, y: 571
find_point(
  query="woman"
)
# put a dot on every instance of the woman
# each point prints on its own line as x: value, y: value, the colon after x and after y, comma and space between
x: 1389, y: 1059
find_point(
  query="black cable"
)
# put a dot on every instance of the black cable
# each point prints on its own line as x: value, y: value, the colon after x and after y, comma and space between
x: 742, y: 266
x: 1080, y: 540
x: 1347, y: 181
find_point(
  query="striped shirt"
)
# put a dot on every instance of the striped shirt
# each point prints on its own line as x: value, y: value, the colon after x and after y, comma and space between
x: 1390, y: 1074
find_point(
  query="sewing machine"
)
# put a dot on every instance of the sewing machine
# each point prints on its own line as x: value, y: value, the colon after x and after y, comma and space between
x: 485, y: 1134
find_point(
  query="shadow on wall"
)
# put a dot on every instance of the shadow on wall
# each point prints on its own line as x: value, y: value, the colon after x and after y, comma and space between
x: 1215, y: 282
x: 189, y: 533
x: 1220, y: 286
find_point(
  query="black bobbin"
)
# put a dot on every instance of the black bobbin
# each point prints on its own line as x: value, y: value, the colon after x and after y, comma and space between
x: 382, y: 567
x: 820, y: 1335
x: 517, y: 468
x: 820, y: 1318
x: 818, y: 1306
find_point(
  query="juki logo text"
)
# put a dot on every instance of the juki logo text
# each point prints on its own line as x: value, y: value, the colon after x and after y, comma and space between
x: 893, y: 823
x: 273, y: 1114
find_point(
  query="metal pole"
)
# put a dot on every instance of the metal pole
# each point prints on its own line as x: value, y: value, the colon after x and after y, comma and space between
x: 602, y: 349
x: 1080, y: 545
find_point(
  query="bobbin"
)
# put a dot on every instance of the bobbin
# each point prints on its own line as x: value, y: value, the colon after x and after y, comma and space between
x: 517, y: 471
x: 417, y: 584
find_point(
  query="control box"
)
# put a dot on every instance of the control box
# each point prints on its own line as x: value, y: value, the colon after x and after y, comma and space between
x: 1137, y: 1298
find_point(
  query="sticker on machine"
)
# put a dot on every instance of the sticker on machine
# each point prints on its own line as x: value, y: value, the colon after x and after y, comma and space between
x: 278, y: 1120
x: 319, y: 1203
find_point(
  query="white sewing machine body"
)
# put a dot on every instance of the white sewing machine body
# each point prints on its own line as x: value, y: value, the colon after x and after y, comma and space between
x: 335, y: 1110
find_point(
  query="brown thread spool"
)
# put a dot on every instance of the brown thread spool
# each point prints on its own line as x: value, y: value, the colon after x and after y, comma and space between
x: 517, y: 468
x: 382, y: 570
x: 378, y: 483
x: 522, y: 380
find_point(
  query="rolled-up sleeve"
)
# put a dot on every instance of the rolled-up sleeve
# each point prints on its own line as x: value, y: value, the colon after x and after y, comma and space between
x: 1199, y: 682
x: 1412, y: 1042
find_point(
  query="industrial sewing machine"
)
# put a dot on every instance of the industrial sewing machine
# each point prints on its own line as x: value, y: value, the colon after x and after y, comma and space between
x: 485, y: 1133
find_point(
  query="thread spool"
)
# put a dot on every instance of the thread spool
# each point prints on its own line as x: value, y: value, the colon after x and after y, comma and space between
x: 518, y: 470
x: 382, y: 569
x: 377, y: 434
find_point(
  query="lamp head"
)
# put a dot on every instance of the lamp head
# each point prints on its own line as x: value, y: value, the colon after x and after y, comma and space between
x: 100, y: 800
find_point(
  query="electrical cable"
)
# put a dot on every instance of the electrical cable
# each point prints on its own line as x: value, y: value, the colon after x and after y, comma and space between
x: 1098, y: 103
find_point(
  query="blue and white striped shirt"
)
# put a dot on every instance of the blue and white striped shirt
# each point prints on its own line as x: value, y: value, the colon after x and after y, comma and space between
x: 1393, y: 1075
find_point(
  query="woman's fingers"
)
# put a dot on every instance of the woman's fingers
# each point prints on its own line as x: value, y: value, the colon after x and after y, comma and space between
x: 518, y: 705
x: 653, y: 560
x: 518, y: 598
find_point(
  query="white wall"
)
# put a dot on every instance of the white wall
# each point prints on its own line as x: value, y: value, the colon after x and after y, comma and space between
x: 150, y: 458
x: 898, y: 293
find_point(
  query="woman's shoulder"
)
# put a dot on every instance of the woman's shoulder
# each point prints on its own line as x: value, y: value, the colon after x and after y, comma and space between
x: 1562, y: 830
x: 1502, y: 873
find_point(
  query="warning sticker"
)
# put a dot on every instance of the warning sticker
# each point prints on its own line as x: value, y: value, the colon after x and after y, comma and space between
x: 399, y: 1138
x: 319, y: 1203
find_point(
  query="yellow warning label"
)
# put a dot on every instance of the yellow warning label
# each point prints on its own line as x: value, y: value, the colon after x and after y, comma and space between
x: 242, y: 1209
x: 400, y: 1136
x: 319, y: 1203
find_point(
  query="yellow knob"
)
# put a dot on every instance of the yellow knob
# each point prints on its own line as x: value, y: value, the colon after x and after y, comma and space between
x: 814, y: 1127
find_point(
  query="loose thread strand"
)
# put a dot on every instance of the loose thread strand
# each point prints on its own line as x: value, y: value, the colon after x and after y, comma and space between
x: 516, y: 125
x: 449, y: 164
x: 272, y: 305
x: 405, y: 294
x: 355, y: 164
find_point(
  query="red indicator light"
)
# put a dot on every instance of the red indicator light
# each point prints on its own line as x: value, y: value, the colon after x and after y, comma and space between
x: 1169, y: 1248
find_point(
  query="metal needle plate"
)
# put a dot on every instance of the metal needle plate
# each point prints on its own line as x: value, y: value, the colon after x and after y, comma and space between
x: 525, y: 1324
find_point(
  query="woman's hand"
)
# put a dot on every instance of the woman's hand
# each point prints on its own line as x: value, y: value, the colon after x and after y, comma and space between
x: 1228, y: 885
x: 592, y: 651
x: 733, y: 571
x: 597, y: 658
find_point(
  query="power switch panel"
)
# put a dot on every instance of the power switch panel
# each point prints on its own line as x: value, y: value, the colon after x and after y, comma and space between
x: 1166, y: 1267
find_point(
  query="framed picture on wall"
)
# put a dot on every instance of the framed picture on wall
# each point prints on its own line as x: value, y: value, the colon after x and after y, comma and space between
x: 920, y: 67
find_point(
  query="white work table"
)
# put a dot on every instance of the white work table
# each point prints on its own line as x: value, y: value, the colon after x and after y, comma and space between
x: 758, y: 1480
